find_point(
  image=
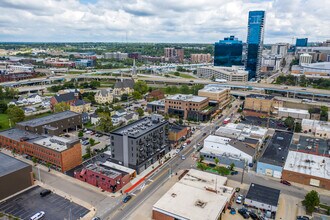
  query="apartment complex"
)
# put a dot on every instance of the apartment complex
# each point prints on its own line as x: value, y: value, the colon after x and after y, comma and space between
x: 140, y: 144
x: 258, y: 105
x: 62, y: 153
x: 54, y: 124
x: 215, y: 93
x: 230, y: 74
x: 115, y: 55
x: 318, y: 128
x: 15, y: 176
x: 103, y: 96
x: 200, y: 58
x: 188, y: 107
x: 174, y: 54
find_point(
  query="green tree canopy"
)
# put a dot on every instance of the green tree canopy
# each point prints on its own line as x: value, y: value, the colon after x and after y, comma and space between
x: 312, y: 200
x: 141, y: 87
x: 15, y: 114
x: 140, y: 112
x: 105, y: 123
x: 61, y: 107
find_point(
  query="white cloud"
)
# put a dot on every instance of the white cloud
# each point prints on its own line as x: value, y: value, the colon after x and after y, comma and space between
x: 159, y: 20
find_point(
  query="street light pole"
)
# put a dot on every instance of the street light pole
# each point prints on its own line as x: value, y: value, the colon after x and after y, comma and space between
x: 243, y: 172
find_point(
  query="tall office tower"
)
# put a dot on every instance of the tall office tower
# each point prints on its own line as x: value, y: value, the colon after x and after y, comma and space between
x: 255, y: 40
x: 228, y: 52
x: 301, y: 42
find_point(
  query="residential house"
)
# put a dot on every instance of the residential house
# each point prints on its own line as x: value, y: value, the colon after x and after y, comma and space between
x: 34, y: 99
x: 80, y: 106
x: 103, y: 96
x: 69, y: 98
x: 124, y: 86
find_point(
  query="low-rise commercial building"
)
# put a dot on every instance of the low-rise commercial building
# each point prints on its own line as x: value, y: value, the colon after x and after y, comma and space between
x: 293, y: 113
x: 318, y: 128
x: 84, y: 63
x: 62, y: 153
x: 228, y: 151
x: 177, y: 133
x: 307, y: 169
x: 216, y: 93
x: 272, y: 160
x: 198, y: 195
x: 54, y: 124
x: 262, y: 197
x: 248, y: 134
x: 189, y: 107
x: 310, y: 145
x: 140, y: 144
x: 258, y: 105
x: 15, y: 176
x: 107, y: 176
x: 115, y: 55
x: 157, y: 106
x: 230, y: 74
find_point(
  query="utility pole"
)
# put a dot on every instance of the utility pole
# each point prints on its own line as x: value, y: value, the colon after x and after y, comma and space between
x: 243, y: 173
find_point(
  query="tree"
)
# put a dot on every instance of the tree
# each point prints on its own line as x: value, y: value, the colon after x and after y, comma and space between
x: 136, y: 95
x: 180, y: 121
x: 311, y: 200
x: 216, y: 160
x: 141, y: 87
x: 105, y: 123
x: 232, y: 166
x: 81, y: 134
x: 297, y: 127
x: 88, y: 151
x: 3, y: 107
x: 94, y: 84
x: 201, y: 158
x: 124, y: 97
x: 140, y: 112
x: 15, y: 114
x: 91, y: 141
x: 289, y: 122
x: 48, y: 166
x: 184, y: 89
x: 61, y: 107
x: 176, y: 74
x: 324, y: 113
x: 34, y: 160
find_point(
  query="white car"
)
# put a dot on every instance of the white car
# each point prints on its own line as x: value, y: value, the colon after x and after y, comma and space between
x: 88, y: 132
x: 239, y: 199
x: 38, y: 215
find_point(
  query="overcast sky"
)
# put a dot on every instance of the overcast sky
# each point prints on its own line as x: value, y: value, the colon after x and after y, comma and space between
x: 200, y: 21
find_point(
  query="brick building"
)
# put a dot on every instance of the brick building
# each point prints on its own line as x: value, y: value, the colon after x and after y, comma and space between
x: 108, y: 176
x: 63, y: 154
x: 200, y: 58
x: 217, y: 94
x: 189, y: 107
x: 54, y: 124
x: 177, y: 133
x: 258, y: 105
x: 15, y: 176
x: 155, y: 95
x: 68, y: 97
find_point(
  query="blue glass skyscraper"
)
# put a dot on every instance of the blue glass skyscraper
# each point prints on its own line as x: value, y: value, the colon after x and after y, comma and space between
x: 255, y: 40
x: 228, y: 52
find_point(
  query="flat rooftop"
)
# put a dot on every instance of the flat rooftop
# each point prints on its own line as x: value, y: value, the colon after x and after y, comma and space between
x: 195, y: 197
x: 158, y: 102
x: 277, y: 149
x: 55, y: 143
x: 308, y: 164
x: 293, y: 110
x: 118, y: 167
x: 213, y: 89
x: 234, y: 70
x: 187, y: 98
x: 258, y: 96
x: 140, y: 127
x: 111, y: 173
x: 9, y: 164
x: 48, y: 119
x: 17, y: 134
x: 312, y: 145
x: 263, y: 194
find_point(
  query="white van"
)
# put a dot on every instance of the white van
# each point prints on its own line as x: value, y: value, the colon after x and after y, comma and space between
x: 38, y: 215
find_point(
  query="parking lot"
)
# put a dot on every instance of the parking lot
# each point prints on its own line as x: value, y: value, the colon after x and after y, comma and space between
x: 30, y: 202
x: 262, y: 122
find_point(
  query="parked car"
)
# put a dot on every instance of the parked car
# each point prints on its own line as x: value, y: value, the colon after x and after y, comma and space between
x: 127, y: 198
x: 285, y: 182
x: 38, y: 215
x: 302, y: 218
x: 232, y: 211
x: 96, y: 218
x: 243, y: 213
x: 88, y: 132
x: 237, y: 189
x: 204, y: 134
x: 45, y: 192
x: 239, y: 199
x: 234, y: 172
x: 254, y: 216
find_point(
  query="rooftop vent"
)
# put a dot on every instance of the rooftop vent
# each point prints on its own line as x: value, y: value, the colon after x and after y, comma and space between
x: 200, y: 203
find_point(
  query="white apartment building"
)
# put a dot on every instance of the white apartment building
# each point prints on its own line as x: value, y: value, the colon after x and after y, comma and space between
x: 230, y: 74
x: 318, y: 128
x: 116, y: 55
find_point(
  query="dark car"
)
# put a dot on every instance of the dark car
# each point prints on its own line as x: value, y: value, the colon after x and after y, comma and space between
x: 234, y: 172
x: 45, y: 192
x: 243, y: 213
x: 285, y: 182
x: 253, y: 216
x: 127, y: 198
x: 204, y: 134
x: 302, y: 218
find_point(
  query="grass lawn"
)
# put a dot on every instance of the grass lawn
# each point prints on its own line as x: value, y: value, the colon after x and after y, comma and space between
x: 186, y: 76
x: 223, y: 171
x: 4, y: 122
x: 38, y: 116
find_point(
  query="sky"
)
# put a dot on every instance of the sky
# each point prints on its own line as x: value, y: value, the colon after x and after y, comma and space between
x: 177, y: 21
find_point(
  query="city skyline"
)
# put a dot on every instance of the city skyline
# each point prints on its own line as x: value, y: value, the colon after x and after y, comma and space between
x: 156, y: 21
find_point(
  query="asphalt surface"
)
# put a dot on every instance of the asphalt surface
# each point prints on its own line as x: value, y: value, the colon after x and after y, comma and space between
x: 30, y: 202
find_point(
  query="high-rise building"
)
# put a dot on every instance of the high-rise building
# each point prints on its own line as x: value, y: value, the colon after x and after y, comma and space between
x: 228, y: 52
x: 255, y: 39
x: 301, y: 42
x: 174, y: 54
